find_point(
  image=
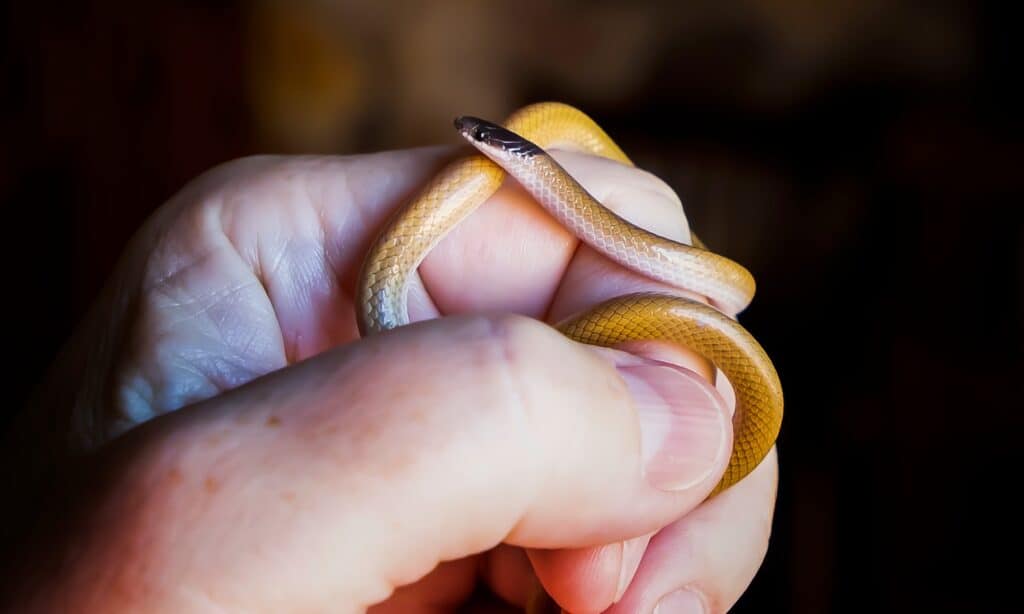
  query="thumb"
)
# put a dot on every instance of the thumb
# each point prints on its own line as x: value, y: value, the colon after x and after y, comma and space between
x: 340, y: 478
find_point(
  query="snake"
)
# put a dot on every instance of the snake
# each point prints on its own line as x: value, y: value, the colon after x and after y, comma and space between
x: 518, y: 149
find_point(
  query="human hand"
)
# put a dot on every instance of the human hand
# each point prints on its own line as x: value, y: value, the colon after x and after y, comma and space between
x: 254, y: 455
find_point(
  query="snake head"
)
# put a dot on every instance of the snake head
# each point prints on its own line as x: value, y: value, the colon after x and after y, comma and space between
x: 493, y: 140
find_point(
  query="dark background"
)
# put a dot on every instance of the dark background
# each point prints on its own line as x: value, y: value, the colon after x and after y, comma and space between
x: 862, y: 158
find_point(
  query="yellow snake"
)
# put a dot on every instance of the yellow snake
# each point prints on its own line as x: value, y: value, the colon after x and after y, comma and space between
x: 518, y: 149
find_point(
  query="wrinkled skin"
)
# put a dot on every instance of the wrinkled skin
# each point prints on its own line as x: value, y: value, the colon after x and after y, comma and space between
x: 308, y: 489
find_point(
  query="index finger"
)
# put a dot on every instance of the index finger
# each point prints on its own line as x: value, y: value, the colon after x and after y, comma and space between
x: 510, y: 255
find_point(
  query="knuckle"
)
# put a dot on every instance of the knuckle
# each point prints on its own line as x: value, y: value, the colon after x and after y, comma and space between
x: 648, y: 181
x: 514, y: 345
x: 646, y: 200
x: 516, y: 355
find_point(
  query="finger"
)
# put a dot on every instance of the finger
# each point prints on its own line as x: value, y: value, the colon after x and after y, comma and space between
x: 508, y: 238
x: 512, y: 239
x: 443, y: 589
x: 704, y: 562
x: 584, y: 580
x: 507, y: 571
x: 247, y: 269
x: 706, y: 559
x: 593, y: 578
x: 300, y: 227
x: 348, y: 475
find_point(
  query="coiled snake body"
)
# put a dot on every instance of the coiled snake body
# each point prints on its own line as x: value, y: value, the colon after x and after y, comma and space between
x: 518, y: 149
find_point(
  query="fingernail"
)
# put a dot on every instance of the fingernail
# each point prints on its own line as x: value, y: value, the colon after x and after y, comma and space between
x: 632, y: 553
x: 682, y: 423
x: 680, y: 602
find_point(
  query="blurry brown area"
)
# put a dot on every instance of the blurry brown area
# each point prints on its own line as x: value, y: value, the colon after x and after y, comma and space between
x: 861, y: 157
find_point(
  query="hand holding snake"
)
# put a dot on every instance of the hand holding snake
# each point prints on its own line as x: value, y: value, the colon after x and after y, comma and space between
x: 231, y: 444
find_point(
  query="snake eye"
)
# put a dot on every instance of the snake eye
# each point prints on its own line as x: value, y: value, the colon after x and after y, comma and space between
x: 479, y: 133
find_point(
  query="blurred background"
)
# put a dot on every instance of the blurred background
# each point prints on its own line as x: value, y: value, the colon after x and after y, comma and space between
x: 861, y: 157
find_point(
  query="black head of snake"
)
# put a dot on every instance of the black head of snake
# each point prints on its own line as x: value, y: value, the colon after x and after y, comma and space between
x: 493, y: 136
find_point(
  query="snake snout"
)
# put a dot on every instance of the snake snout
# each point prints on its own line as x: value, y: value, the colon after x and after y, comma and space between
x: 491, y: 138
x: 471, y: 127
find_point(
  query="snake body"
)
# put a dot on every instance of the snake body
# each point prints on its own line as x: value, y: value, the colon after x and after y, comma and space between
x: 518, y: 149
